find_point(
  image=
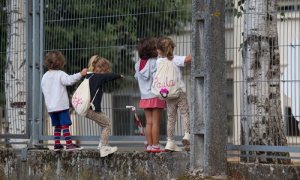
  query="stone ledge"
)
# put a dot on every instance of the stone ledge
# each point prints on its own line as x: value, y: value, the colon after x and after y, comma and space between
x: 253, y: 171
x: 87, y: 164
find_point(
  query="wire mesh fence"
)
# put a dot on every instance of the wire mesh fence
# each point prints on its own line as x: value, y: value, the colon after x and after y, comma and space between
x: 265, y: 81
x: 13, y: 71
x: 111, y: 29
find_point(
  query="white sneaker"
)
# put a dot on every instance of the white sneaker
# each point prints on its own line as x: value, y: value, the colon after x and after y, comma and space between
x: 186, y: 139
x: 100, y: 145
x: 171, y: 146
x: 106, y: 150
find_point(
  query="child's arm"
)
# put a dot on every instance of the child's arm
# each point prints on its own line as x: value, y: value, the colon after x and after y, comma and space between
x: 69, y: 80
x: 112, y: 76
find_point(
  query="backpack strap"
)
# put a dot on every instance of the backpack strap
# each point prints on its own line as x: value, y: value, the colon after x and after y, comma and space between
x: 94, y: 96
x: 91, y: 75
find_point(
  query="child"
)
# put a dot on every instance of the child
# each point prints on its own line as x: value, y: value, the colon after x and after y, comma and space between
x: 165, y: 48
x: 153, y: 106
x: 99, y: 74
x: 53, y: 85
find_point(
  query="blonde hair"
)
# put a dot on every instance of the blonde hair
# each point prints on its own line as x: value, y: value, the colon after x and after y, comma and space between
x: 166, y: 45
x: 100, y: 62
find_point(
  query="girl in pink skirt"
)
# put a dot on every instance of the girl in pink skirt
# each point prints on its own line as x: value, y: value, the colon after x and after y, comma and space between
x: 152, y: 105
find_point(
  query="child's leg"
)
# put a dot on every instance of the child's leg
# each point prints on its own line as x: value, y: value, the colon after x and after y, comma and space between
x: 172, y: 113
x: 66, y: 134
x: 149, y: 124
x: 183, y: 107
x: 156, y: 113
x: 55, y: 120
x: 104, y: 122
x: 57, y: 133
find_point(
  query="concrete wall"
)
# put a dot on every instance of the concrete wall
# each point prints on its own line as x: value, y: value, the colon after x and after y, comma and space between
x: 252, y: 171
x: 87, y: 164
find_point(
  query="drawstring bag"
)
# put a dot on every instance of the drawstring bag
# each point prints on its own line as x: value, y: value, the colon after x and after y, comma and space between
x: 166, y: 82
x: 81, y: 99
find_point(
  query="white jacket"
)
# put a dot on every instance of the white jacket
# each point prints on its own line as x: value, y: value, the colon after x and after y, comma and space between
x: 53, y: 86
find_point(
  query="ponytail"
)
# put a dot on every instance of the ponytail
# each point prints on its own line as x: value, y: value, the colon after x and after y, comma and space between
x: 166, y: 46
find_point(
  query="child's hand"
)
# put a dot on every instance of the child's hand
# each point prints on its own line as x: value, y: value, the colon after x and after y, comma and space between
x: 188, y: 58
x: 83, y: 72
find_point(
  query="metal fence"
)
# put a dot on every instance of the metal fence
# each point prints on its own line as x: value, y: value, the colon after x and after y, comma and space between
x: 13, y: 71
x: 111, y: 29
x: 287, y: 113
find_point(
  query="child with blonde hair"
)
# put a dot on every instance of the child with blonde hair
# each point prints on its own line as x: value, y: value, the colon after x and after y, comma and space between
x: 99, y: 74
x: 165, y: 47
x: 53, y: 85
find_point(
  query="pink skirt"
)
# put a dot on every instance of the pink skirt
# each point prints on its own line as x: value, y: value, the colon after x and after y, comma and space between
x: 152, y: 103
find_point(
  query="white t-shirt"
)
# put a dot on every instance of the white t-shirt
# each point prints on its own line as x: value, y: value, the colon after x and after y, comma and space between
x: 179, y: 62
x: 53, y: 86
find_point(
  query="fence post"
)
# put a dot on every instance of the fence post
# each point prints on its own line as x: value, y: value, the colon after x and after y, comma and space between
x: 34, y: 54
x: 208, y: 113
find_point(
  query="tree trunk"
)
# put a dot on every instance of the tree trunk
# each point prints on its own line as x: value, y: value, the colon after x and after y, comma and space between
x: 15, y: 70
x: 261, y: 121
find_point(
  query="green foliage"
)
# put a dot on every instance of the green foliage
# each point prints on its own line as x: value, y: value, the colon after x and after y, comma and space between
x: 109, y: 28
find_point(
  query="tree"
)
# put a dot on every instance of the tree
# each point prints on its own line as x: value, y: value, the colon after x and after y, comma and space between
x: 3, y: 39
x: 15, y: 69
x: 109, y: 28
x: 261, y: 121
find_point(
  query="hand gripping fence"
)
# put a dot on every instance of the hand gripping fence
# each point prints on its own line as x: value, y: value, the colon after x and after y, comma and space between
x: 137, y: 120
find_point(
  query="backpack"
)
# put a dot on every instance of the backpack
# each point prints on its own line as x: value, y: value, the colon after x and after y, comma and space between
x: 166, y: 82
x: 81, y: 99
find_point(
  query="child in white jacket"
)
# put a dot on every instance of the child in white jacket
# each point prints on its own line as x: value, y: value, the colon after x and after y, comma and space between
x: 53, y: 85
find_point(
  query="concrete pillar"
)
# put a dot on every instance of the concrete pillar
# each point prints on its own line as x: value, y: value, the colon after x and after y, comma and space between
x: 208, y: 111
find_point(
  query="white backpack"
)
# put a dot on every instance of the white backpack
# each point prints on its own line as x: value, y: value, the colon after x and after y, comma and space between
x: 166, y: 82
x: 81, y: 99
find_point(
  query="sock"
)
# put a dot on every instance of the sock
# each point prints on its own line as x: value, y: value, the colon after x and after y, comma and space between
x: 57, y: 132
x: 66, y: 134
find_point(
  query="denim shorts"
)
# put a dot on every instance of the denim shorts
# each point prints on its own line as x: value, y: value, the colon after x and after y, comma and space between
x: 60, y: 118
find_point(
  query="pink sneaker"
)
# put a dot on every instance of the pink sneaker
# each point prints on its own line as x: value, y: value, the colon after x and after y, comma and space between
x: 148, y: 148
x: 157, y: 149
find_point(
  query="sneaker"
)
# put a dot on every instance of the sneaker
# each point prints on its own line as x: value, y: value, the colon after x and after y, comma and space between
x: 186, y: 141
x: 171, y: 146
x: 106, y: 150
x: 157, y: 149
x: 148, y: 148
x: 73, y: 147
x: 58, y: 147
